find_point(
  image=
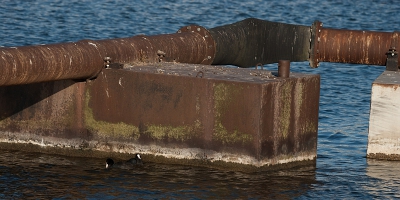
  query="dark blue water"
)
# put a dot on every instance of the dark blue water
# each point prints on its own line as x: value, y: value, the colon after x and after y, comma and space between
x: 342, y: 171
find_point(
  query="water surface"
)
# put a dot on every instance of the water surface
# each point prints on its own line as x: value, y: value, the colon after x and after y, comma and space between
x: 342, y: 170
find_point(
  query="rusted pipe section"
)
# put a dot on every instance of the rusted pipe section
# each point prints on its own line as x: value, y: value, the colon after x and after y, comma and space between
x: 350, y: 46
x: 246, y: 43
x: 252, y: 41
x: 85, y: 59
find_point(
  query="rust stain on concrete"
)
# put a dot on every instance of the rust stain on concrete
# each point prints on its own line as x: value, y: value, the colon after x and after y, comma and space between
x: 199, y: 113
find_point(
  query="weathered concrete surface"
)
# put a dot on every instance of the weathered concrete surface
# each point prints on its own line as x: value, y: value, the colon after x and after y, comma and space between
x: 187, y: 113
x: 384, y: 123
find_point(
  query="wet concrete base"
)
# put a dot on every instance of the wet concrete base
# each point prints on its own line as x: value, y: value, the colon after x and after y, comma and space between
x: 39, y: 147
x: 172, y: 113
x: 384, y: 124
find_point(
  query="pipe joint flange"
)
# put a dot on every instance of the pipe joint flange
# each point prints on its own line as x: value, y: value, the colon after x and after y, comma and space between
x: 315, y: 43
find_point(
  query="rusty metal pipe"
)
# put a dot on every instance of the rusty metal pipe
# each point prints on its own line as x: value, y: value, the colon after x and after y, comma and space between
x: 284, y: 68
x: 350, y: 46
x: 245, y: 44
x: 85, y: 59
x: 252, y: 41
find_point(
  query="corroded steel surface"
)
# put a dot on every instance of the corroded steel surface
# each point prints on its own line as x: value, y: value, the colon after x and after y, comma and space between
x: 210, y: 43
x: 290, y: 116
x: 314, y: 44
x: 85, y: 59
x: 351, y: 46
x: 245, y: 43
x: 230, y: 114
x: 252, y: 41
x: 283, y: 68
x: 202, y: 113
x: 31, y: 64
x: 49, y: 109
x: 248, y: 43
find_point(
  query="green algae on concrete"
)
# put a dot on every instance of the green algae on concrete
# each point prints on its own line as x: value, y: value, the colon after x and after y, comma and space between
x: 224, y: 94
x: 285, y: 100
x: 299, y: 95
x: 310, y: 127
x: 221, y: 134
x: 123, y: 130
x: 216, y: 103
x: 106, y: 129
x: 178, y: 133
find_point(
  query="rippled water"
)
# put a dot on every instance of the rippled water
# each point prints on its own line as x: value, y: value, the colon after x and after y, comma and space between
x: 342, y: 171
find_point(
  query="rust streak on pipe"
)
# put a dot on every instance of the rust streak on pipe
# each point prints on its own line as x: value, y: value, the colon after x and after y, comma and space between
x: 351, y: 46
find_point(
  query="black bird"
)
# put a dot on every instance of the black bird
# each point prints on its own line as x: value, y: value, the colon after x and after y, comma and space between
x: 137, y: 160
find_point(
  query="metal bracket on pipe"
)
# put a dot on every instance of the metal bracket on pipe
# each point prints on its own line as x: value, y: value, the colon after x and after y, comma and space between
x: 392, y: 60
x: 392, y: 55
x: 108, y: 64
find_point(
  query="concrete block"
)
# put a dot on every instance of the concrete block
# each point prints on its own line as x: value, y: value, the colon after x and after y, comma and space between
x: 171, y: 112
x: 384, y: 123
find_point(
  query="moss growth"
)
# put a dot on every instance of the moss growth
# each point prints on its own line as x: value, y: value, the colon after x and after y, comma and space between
x: 179, y: 133
x: 310, y: 127
x: 299, y: 98
x: 32, y: 124
x: 285, y: 105
x: 107, y: 129
x: 230, y: 138
x: 224, y: 94
x: 123, y: 130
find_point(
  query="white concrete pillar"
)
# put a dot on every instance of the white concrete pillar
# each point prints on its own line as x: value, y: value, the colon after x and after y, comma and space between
x: 384, y: 122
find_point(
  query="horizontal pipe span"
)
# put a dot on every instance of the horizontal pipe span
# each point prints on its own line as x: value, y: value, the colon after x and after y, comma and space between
x: 351, y: 46
x: 85, y: 59
x: 30, y: 64
x: 253, y: 41
x: 247, y: 43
